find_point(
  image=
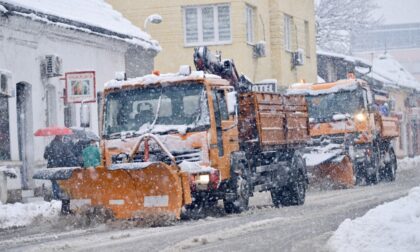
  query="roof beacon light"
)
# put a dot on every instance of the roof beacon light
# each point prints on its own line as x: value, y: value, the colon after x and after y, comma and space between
x: 120, y: 76
x: 185, y: 70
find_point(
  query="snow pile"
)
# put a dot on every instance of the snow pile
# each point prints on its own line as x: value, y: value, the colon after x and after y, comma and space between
x: 409, y: 163
x: 18, y: 214
x: 96, y: 13
x: 393, y: 226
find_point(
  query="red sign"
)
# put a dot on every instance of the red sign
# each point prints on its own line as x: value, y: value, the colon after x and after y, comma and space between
x: 80, y: 87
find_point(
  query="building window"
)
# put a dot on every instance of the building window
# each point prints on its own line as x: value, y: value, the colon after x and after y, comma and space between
x: 249, y: 24
x: 288, y: 24
x: 4, y: 129
x: 206, y: 25
x: 307, y: 40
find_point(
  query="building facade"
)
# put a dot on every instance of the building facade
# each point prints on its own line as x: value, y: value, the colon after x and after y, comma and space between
x: 31, y: 98
x: 261, y: 36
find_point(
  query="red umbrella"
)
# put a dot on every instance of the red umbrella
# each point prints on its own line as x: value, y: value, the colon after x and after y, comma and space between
x: 53, y: 131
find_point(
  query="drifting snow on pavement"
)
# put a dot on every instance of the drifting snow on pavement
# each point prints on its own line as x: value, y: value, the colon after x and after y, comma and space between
x: 393, y: 226
x: 409, y: 163
x: 18, y: 214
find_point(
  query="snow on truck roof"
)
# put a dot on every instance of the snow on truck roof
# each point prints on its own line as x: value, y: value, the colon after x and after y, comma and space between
x: 163, y: 78
x: 91, y: 16
x: 324, y: 88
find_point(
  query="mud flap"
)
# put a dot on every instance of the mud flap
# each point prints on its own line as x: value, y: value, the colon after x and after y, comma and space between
x: 128, y: 191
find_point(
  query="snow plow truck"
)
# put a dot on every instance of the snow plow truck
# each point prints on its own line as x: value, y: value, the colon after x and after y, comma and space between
x: 186, y: 140
x: 351, y: 139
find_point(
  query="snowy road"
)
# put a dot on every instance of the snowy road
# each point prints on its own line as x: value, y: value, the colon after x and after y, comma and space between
x: 263, y: 228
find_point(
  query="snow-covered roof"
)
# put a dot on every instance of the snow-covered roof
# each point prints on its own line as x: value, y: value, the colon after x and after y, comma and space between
x: 384, y: 69
x: 342, y: 56
x: 162, y: 78
x: 93, y: 16
x: 385, y: 65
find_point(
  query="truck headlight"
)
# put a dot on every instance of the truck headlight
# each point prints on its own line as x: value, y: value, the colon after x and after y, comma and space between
x: 360, y: 117
x: 203, y: 179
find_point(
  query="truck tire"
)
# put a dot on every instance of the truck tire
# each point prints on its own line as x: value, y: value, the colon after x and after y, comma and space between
x: 391, y: 166
x: 373, y: 179
x: 294, y: 192
x: 241, y: 188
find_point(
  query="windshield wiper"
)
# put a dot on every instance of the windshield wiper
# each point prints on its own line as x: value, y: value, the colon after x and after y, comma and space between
x: 127, y: 134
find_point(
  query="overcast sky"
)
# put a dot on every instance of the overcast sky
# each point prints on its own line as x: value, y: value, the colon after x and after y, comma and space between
x: 399, y: 11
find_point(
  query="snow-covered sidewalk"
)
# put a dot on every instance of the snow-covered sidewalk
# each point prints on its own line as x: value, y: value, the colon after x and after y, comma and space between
x: 18, y: 214
x: 409, y: 163
x: 393, y: 226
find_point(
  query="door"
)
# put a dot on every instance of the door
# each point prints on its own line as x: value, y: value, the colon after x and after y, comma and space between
x: 226, y: 130
x: 25, y: 131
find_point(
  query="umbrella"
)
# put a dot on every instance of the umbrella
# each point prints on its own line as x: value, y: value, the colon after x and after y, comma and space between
x: 84, y: 134
x: 53, y: 131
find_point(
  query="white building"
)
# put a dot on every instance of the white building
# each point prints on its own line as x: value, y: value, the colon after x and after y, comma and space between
x: 81, y: 35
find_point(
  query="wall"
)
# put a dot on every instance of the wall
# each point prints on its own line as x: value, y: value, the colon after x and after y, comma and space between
x: 268, y: 23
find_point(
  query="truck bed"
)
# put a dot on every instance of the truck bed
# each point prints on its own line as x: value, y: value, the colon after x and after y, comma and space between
x: 272, y: 120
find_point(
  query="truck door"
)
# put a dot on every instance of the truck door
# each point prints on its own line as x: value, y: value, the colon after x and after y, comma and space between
x: 227, y: 133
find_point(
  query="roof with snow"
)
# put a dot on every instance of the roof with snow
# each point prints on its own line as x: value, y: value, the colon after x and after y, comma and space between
x: 386, y: 66
x: 385, y: 69
x: 92, y: 16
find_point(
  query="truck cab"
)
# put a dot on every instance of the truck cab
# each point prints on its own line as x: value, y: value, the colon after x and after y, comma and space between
x: 193, y: 115
x: 345, y: 116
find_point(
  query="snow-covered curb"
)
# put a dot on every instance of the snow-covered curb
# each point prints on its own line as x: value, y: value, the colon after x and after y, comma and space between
x: 409, y: 163
x: 393, y: 226
x: 18, y: 214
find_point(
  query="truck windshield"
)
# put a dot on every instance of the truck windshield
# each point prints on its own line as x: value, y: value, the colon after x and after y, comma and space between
x: 182, y: 107
x: 323, y: 107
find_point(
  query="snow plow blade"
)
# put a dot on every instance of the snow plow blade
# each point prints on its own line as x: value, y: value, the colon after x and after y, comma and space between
x: 330, y: 164
x: 130, y: 191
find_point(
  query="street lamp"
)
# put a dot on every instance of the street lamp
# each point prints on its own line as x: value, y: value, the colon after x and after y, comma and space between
x: 154, y: 19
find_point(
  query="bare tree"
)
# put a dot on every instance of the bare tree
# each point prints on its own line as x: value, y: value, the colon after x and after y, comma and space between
x: 338, y: 19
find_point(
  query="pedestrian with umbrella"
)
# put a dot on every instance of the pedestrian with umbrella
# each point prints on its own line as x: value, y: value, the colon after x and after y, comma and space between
x: 59, y: 153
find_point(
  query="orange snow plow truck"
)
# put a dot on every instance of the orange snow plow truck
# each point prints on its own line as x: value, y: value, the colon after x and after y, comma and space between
x: 351, y: 132
x: 186, y: 140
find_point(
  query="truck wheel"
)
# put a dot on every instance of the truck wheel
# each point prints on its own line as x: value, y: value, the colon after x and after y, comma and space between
x: 372, y: 179
x: 294, y: 193
x: 65, y: 207
x: 360, y: 174
x: 241, y: 188
x: 391, y: 167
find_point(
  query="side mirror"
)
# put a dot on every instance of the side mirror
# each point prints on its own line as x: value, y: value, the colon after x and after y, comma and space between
x: 84, y: 115
x: 232, y: 102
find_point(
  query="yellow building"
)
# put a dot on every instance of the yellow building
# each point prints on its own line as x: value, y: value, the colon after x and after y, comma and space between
x: 285, y: 29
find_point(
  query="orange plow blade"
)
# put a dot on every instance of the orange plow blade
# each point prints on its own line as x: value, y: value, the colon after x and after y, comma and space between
x: 340, y: 172
x: 130, y: 192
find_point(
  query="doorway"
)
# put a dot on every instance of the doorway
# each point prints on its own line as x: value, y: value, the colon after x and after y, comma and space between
x: 25, y: 129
